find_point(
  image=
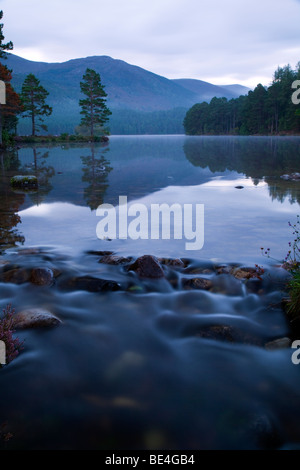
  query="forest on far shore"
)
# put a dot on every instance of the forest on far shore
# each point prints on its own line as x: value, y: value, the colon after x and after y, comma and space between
x: 263, y: 111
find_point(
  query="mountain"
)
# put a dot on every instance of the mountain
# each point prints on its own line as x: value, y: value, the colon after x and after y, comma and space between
x: 206, y: 91
x: 237, y: 89
x: 140, y: 101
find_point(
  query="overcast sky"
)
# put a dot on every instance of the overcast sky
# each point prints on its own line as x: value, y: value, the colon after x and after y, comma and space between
x: 222, y: 42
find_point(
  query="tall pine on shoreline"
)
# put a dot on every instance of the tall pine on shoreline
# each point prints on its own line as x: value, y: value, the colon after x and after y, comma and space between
x: 34, y: 103
x: 94, y: 111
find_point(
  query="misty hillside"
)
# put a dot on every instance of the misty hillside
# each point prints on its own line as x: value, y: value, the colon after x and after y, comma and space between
x: 206, y: 91
x: 237, y: 89
x: 141, y: 101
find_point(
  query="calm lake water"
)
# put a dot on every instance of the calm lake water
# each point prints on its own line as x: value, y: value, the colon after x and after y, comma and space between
x: 132, y: 371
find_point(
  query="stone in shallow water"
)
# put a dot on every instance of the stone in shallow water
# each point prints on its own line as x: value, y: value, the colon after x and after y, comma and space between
x: 90, y: 284
x: 280, y: 343
x: 114, y: 259
x: 176, y: 262
x: 223, y: 269
x: 230, y: 334
x: 244, y: 273
x: 35, y: 318
x: 197, y: 283
x: 217, y: 332
x: 99, y: 253
x: 42, y: 276
x: 147, y: 266
x: 16, y: 276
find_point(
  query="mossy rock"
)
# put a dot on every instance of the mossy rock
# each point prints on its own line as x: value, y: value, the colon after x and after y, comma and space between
x: 24, y: 181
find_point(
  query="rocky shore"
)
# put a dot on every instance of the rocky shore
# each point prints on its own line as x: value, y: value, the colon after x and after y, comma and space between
x: 143, y: 275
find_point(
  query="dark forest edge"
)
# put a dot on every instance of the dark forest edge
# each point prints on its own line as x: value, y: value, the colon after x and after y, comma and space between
x: 264, y: 111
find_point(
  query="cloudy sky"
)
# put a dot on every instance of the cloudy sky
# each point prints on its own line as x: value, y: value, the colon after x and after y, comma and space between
x: 222, y: 42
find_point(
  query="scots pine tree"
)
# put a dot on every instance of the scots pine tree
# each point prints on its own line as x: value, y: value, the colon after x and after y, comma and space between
x: 94, y: 111
x: 34, y: 102
x: 4, y: 47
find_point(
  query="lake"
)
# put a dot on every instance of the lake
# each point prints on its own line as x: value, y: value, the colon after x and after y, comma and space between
x: 147, y: 366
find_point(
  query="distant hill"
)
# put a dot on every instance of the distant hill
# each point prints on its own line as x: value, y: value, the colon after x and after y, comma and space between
x: 205, y: 91
x: 141, y: 101
x: 237, y: 89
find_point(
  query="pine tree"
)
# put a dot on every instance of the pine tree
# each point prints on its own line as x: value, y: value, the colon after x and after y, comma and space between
x: 3, y: 48
x: 94, y: 109
x: 33, y: 98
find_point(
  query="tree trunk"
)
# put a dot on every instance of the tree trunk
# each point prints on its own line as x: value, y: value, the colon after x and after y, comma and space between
x: 33, y: 124
x: 92, y: 121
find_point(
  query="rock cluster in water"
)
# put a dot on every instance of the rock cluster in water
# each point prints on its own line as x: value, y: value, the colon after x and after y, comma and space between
x: 142, y: 275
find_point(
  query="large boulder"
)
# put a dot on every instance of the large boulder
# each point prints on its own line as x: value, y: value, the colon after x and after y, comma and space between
x: 42, y: 276
x: 147, y: 266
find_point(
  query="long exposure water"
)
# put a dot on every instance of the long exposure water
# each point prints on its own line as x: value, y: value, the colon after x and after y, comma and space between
x: 154, y: 365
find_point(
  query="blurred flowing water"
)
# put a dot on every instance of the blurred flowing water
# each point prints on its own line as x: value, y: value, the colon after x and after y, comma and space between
x: 132, y: 370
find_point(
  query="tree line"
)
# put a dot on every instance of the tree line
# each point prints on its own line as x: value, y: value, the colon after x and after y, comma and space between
x: 31, y: 102
x: 264, y: 111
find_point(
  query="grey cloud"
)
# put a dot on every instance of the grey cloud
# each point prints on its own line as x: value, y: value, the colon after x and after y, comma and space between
x: 202, y: 39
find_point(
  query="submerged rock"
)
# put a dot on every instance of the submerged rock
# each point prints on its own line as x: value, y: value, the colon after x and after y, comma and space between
x: 15, y: 276
x: 217, y: 332
x: 90, y: 284
x: 280, y: 343
x: 99, y: 253
x: 197, y: 283
x: 114, y: 259
x: 223, y: 269
x: 37, y: 276
x: 244, y: 273
x: 42, y: 276
x: 172, y: 262
x: 230, y: 334
x: 147, y: 266
x: 198, y: 270
x: 35, y: 318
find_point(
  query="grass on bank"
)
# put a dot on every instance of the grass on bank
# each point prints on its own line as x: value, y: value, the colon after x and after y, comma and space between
x: 9, y: 140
